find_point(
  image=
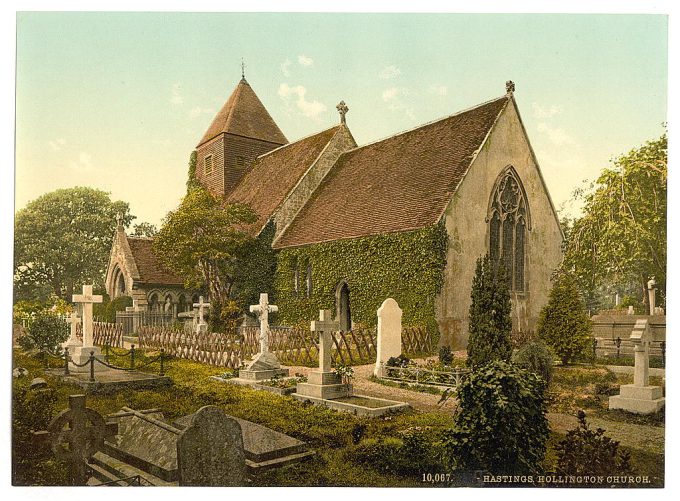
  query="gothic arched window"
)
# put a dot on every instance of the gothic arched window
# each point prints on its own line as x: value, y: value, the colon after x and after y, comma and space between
x: 508, y: 219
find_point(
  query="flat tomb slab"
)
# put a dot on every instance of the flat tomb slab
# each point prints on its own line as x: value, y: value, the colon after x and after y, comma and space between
x: 264, y: 447
x: 112, y: 380
x: 255, y: 384
x: 260, y: 375
x: 361, y: 405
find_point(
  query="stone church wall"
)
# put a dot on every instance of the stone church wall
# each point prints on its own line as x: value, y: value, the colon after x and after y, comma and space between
x: 469, y: 232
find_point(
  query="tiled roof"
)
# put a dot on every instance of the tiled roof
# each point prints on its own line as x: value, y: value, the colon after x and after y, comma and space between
x: 150, y: 269
x: 244, y: 114
x: 273, y: 175
x: 401, y: 183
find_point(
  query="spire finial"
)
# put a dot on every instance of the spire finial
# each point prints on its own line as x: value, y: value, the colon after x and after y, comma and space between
x: 509, y: 87
x: 243, y: 69
x: 342, y: 109
x: 119, y: 219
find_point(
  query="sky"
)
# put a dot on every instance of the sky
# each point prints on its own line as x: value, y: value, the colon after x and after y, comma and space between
x: 117, y: 101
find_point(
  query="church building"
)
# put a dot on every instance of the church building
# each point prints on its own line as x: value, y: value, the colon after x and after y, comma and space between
x: 404, y: 217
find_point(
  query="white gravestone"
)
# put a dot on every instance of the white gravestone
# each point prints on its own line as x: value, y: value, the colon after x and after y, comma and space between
x: 322, y: 383
x: 640, y: 397
x: 201, y: 326
x: 265, y: 365
x: 81, y: 354
x: 389, y: 333
x: 651, y: 286
x: 73, y: 342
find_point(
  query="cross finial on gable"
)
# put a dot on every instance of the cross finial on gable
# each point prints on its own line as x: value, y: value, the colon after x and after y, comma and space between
x: 119, y: 219
x: 509, y: 87
x: 342, y: 109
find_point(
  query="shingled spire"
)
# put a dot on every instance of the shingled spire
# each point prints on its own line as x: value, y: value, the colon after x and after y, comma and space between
x: 242, y: 130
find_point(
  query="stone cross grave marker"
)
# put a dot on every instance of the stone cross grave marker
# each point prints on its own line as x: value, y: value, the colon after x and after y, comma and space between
x: 75, y: 434
x: 201, y: 326
x: 389, y: 333
x: 263, y: 309
x: 86, y: 300
x: 73, y: 340
x: 639, y: 397
x: 651, y: 287
x: 210, y: 451
x: 325, y: 326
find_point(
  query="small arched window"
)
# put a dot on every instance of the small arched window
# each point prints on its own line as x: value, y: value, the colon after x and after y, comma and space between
x: 308, y: 278
x: 508, y: 219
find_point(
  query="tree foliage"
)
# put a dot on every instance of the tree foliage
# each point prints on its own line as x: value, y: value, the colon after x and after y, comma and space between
x: 192, y: 182
x: 500, y: 424
x: 62, y: 240
x: 205, y: 241
x: 590, y: 452
x: 490, y: 322
x: 144, y: 229
x: 621, y: 237
x: 535, y: 357
x: 46, y: 332
x: 563, y: 323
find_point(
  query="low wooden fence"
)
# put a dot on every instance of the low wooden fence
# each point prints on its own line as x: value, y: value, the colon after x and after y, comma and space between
x: 292, y: 346
x: 103, y: 334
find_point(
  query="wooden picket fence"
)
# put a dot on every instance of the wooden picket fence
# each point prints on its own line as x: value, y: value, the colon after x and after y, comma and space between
x: 103, y: 333
x: 292, y: 346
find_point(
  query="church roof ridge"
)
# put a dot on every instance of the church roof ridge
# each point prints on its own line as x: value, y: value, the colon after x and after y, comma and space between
x: 243, y: 114
x: 303, y: 138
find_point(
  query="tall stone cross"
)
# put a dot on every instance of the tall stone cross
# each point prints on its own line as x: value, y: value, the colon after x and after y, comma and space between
x: 263, y: 309
x: 86, y: 300
x: 201, y: 307
x: 325, y: 327
x: 651, y: 286
x: 342, y: 109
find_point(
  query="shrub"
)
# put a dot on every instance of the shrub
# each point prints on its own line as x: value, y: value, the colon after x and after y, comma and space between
x: 519, y: 338
x: 536, y: 357
x: 500, y: 424
x: 445, y: 355
x: 47, y: 332
x: 490, y: 322
x: 563, y: 323
x: 400, y: 361
x: 588, y: 452
x: 106, y: 310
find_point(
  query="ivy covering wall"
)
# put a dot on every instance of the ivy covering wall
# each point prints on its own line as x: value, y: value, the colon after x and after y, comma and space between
x: 257, y: 270
x: 406, y: 266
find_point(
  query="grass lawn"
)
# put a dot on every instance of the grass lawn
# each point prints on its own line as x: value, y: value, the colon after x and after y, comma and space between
x: 351, y: 451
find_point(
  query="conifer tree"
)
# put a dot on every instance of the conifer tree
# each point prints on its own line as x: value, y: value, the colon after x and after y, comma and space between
x: 564, y: 324
x: 490, y: 322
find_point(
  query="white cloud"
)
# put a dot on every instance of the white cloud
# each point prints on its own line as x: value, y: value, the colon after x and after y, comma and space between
x: 388, y: 72
x: 83, y: 163
x: 176, y: 98
x: 197, y: 111
x: 439, y: 90
x: 556, y: 135
x: 296, y: 94
x: 393, y: 97
x: 285, y: 68
x: 541, y: 112
x: 57, y: 144
x: 305, y: 61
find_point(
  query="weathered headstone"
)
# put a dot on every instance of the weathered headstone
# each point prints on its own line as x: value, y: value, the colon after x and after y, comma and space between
x: 201, y: 326
x: 81, y: 354
x: 389, y: 333
x: 210, y: 451
x: 322, y: 382
x: 265, y: 365
x: 651, y: 287
x: 640, y: 397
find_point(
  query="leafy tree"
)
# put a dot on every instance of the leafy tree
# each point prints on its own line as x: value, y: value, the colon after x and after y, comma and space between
x: 144, y: 229
x: 192, y: 182
x: 564, y: 324
x: 590, y: 452
x: 204, y: 241
x: 621, y: 238
x: 62, y: 240
x: 500, y: 424
x: 490, y: 322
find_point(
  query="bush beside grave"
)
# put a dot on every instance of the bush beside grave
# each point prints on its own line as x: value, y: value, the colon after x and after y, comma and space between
x: 536, y: 357
x: 500, y: 425
x: 46, y: 332
x: 564, y: 324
